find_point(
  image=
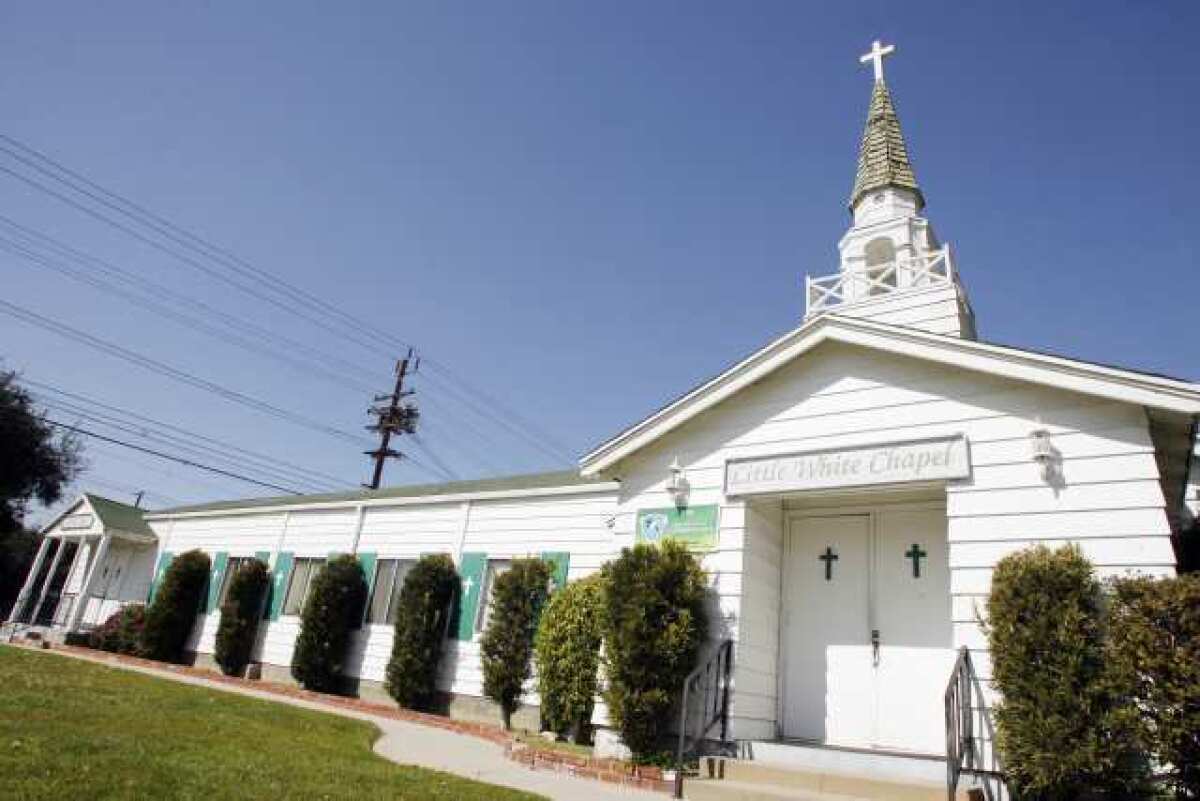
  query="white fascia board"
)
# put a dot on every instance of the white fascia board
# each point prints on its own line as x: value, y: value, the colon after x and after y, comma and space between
x: 81, y: 500
x: 595, y: 488
x: 1020, y: 365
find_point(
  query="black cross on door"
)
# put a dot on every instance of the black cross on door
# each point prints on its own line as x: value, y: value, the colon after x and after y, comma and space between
x: 916, y: 555
x: 829, y: 557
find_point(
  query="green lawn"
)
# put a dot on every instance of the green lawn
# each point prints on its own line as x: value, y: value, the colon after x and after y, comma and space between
x: 75, y: 730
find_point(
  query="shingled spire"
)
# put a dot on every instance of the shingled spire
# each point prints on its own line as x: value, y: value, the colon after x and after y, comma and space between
x: 882, y: 156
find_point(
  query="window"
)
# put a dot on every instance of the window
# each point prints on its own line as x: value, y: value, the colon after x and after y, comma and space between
x: 234, y: 564
x: 385, y: 596
x: 302, y: 574
x: 495, y: 568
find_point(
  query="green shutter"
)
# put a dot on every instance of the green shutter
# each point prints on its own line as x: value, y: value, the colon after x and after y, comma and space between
x: 264, y: 557
x: 470, y: 570
x: 214, y: 579
x: 559, y: 562
x: 164, y: 561
x: 279, y: 582
x: 367, y: 562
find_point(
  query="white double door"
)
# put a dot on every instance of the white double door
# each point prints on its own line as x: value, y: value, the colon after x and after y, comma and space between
x: 867, y: 636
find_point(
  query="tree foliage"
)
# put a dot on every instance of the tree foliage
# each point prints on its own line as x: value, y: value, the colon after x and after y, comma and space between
x: 122, y: 632
x: 567, y: 652
x: 422, y: 614
x: 36, y: 465
x: 1064, y: 728
x: 516, y: 601
x: 1155, y: 645
x: 654, y: 626
x: 172, y: 614
x: 240, y: 614
x: 333, y: 610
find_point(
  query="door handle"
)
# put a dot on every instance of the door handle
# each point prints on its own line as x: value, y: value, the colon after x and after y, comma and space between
x: 875, y: 646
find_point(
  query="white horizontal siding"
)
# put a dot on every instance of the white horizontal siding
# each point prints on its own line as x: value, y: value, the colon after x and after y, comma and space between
x: 1109, y: 499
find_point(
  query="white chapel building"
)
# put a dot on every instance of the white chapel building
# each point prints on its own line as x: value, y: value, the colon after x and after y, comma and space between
x: 850, y: 486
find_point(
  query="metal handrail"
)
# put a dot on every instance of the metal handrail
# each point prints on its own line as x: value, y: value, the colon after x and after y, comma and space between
x: 714, y: 676
x: 970, y: 735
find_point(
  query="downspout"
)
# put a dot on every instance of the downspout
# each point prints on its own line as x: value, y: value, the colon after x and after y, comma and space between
x: 358, y: 527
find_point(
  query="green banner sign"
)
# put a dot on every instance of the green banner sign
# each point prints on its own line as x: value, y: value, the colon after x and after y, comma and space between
x: 695, y: 526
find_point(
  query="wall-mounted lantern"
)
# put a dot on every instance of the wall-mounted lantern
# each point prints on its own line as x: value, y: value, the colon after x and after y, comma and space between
x: 677, y: 485
x: 1042, y: 451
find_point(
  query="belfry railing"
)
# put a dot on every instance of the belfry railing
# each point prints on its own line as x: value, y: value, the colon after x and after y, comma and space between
x: 703, y: 705
x: 826, y: 293
x: 970, y: 736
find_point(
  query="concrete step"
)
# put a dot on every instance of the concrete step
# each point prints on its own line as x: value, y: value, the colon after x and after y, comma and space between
x: 892, y: 766
x: 746, y: 780
x: 732, y: 790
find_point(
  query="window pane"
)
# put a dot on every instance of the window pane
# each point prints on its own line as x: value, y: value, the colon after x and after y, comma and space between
x: 294, y: 602
x: 314, y: 569
x: 234, y: 564
x: 495, y: 568
x: 402, y: 568
x: 384, y: 574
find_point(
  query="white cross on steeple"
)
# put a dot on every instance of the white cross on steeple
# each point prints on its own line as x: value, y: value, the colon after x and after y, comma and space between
x: 877, y: 54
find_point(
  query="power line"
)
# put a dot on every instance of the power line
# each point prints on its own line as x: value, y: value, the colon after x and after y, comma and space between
x: 184, y: 319
x: 490, y: 408
x: 339, y: 378
x: 266, y: 298
x: 303, y: 473
x: 176, y: 442
x: 112, y: 485
x: 156, y: 366
x: 169, y: 457
x: 340, y: 369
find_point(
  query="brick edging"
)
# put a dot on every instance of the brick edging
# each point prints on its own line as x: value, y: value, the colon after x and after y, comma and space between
x: 608, y: 770
x: 613, y: 771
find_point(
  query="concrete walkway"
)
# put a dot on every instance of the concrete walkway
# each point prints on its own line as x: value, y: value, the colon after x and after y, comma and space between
x: 427, y: 747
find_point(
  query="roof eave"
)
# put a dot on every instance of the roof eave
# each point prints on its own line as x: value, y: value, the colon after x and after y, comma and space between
x: 1060, y: 372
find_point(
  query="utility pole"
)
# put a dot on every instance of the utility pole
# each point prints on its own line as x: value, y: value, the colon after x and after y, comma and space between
x: 396, y: 417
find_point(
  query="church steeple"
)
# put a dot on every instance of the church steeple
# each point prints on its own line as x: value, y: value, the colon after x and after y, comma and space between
x: 882, y: 155
x: 893, y: 268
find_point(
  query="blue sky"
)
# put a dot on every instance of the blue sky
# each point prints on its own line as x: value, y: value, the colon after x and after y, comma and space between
x: 581, y: 208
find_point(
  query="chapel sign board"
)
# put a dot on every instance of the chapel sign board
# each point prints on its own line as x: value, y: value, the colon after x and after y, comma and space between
x: 892, y: 463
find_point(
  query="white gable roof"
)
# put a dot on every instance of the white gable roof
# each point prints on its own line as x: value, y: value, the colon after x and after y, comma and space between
x: 1102, y: 381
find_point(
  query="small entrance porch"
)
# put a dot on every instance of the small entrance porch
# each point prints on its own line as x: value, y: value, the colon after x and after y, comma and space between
x: 92, y: 560
x: 866, y: 635
x: 857, y: 585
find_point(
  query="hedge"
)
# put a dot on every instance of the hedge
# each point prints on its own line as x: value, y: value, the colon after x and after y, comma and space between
x: 567, y: 654
x: 239, y: 617
x: 1155, y: 654
x: 422, y: 615
x: 654, y: 625
x: 516, y: 599
x: 1064, y: 728
x: 122, y: 632
x: 334, y: 608
x: 172, y: 614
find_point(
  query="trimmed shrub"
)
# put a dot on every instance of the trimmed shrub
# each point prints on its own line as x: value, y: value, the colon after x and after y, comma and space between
x: 422, y: 614
x: 567, y: 654
x: 121, y: 633
x: 1155, y: 645
x: 334, y: 608
x: 516, y: 600
x: 654, y: 625
x: 171, y: 616
x: 1064, y: 729
x: 239, y: 617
